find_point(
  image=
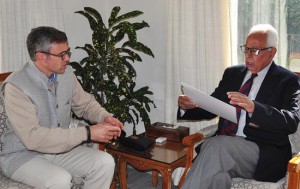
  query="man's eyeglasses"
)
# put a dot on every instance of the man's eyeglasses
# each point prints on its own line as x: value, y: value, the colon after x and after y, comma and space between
x: 253, y: 51
x: 63, y: 55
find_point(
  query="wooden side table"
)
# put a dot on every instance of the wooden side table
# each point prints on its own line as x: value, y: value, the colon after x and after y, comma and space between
x: 163, y: 158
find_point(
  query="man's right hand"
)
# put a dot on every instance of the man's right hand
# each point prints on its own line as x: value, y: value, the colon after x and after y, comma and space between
x: 103, y: 133
x: 185, y: 103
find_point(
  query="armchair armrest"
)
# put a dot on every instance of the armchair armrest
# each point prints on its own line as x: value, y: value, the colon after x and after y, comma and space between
x: 209, y: 131
x: 294, y: 172
x: 190, y: 142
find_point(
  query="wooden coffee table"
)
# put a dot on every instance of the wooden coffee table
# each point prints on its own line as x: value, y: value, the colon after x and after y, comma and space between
x: 163, y: 158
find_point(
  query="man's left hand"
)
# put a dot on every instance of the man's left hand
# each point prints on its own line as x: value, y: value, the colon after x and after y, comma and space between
x: 114, y: 122
x: 239, y: 99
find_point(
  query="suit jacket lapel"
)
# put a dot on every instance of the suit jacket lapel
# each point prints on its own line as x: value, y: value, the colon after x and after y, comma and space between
x: 269, y: 83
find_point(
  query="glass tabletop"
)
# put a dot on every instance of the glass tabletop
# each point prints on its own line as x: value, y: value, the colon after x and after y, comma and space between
x: 166, y: 152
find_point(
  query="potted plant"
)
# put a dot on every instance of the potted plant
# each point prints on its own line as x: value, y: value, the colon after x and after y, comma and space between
x: 107, y: 71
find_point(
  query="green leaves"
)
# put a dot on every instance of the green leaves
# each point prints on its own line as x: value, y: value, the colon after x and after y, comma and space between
x: 114, y: 19
x: 107, y: 71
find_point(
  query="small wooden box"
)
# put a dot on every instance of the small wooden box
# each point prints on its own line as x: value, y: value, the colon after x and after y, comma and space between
x: 159, y: 129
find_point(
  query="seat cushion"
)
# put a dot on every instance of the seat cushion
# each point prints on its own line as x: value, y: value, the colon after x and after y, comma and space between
x: 295, y: 141
x: 6, y: 183
x: 3, y: 118
x: 295, y: 138
x: 238, y: 183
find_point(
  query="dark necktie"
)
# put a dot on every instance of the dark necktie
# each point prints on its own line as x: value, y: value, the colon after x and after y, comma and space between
x: 230, y: 128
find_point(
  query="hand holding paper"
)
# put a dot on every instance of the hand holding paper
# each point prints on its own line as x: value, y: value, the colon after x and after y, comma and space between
x: 210, y: 103
x: 185, y: 102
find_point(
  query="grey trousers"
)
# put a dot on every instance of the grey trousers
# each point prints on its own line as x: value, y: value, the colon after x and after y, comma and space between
x: 222, y: 158
x: 94, y: 167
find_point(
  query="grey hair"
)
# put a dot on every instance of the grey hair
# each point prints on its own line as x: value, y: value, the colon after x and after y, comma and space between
x: 42, y: 38
x: 272, y: 34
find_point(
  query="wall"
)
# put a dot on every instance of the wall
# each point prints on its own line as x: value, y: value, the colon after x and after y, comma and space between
x: 151, y: 71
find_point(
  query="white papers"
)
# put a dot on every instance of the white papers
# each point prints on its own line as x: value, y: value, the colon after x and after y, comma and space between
x: 210, y: 103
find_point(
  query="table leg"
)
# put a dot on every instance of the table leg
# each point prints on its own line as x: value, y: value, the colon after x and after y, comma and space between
x: 154, y: 178
x: 113, y: 185
x: 166, y: 179
x: 115, y: 179
x: 123, y: 173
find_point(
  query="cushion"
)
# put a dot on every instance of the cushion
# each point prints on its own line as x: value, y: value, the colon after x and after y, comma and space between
x: 238, y: 183
x: 3, y: 118
x: 295, y: 141
x: 295, y: 138
x: 6, y: 183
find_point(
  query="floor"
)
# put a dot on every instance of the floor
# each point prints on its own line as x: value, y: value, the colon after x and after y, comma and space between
x: 141, y: 180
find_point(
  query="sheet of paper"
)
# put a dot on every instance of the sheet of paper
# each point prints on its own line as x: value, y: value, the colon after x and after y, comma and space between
x: 210, y: 103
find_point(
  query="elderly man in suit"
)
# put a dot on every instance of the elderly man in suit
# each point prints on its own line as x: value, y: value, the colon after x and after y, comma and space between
x: 258, y: 146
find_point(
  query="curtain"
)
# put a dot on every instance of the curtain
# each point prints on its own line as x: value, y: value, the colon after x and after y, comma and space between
x: 17, y: 18
x: 198, y: 50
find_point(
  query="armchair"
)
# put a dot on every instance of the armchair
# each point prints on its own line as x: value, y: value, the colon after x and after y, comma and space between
x: 291, y: 181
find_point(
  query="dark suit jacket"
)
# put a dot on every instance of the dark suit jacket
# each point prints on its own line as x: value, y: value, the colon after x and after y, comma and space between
x: 276, y: 115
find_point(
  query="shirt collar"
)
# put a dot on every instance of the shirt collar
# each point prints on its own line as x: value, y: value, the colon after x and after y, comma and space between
x: 263, y: 72
x: 52, y: 78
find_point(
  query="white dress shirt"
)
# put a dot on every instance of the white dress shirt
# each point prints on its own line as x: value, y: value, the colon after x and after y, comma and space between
x: 252, y: 95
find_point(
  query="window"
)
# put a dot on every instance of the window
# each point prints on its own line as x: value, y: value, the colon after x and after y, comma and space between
x: 293, y: 30
x: 284, y: 15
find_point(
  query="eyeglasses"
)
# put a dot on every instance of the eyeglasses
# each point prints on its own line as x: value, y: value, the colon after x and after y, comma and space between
x: 63, y: 55
x: 253, y: 51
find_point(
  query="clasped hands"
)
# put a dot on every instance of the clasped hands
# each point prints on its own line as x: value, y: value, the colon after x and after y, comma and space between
x: 236, y: 98
x: 110, y: 129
